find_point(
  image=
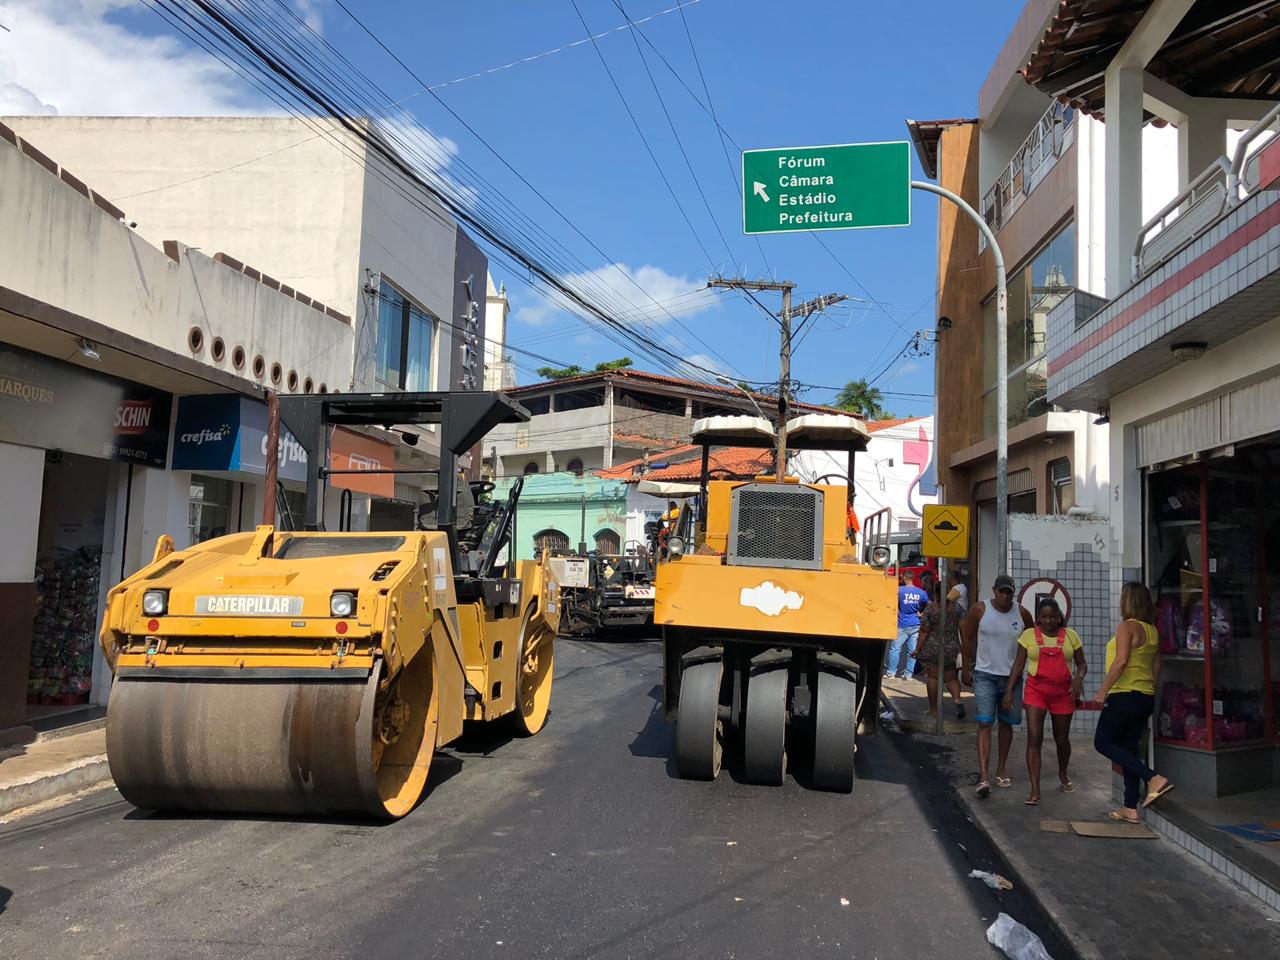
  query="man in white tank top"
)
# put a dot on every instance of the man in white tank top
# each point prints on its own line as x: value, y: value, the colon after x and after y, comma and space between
x: 989, y: 639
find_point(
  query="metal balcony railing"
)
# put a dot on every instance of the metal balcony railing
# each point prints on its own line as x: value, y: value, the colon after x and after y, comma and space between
x: 1220, y: 187
x: 1032, y: 161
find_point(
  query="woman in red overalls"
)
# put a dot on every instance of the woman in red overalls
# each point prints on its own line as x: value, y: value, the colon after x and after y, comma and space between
x: 1044, y: 651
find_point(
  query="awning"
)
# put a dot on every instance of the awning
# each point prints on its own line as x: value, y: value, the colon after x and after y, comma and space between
x: 667, y: 488
x: 1226, y: 49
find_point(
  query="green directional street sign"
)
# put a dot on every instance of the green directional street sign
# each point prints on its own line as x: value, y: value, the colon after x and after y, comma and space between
x: 845, y: 186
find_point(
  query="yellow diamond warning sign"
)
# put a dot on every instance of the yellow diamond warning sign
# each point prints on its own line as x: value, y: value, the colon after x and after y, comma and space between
x: 946, y: 532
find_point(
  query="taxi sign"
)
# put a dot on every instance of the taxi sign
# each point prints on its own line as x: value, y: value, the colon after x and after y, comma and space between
x: 945, y: 532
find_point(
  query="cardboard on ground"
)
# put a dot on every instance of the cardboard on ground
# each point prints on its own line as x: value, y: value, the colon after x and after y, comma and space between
x: 945, y: 532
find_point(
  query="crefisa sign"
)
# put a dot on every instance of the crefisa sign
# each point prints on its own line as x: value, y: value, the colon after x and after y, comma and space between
x: 54, y: 405
x: 228, y: 433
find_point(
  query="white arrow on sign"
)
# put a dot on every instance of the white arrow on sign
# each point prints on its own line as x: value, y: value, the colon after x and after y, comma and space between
x: 758, y: 188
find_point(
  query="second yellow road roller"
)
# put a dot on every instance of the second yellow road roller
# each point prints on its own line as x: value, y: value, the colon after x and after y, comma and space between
x: 774, y: 626
x: 286, y: 671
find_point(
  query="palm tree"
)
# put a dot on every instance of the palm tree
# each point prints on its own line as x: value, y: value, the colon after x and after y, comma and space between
x: 858, y: 397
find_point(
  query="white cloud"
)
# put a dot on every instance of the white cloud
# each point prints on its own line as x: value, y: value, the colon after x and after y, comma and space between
x: 910, y: 366
x: 535, y: 316
x: 690, y: 367
x: 309, y: 10
x: 73, y: 59
x: 646, y: 295
x: 17, y: 101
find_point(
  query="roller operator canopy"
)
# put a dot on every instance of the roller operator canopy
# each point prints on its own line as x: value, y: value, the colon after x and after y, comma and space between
x: 812, y: 431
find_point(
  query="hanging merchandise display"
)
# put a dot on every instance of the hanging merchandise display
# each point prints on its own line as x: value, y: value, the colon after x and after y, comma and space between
x: 65, y: 628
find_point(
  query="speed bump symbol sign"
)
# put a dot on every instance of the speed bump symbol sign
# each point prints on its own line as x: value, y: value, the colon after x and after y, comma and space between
x: 946, y: 532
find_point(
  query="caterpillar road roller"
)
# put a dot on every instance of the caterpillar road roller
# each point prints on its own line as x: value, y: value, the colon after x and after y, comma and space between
x: 774, y: 628
x: 310, y: 672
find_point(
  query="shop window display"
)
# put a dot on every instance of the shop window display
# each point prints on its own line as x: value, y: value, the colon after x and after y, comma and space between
x: 1211, y: 559
x: 65, y: 628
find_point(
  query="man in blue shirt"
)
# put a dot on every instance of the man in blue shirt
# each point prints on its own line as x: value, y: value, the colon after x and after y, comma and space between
x: 911, y: 600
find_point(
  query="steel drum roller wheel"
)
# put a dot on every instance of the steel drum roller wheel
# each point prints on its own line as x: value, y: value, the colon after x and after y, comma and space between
x: 536, y: 668
x: 835, y: 730
x: 699, y: 746
x: 765, y: 729
x: 302, y: 747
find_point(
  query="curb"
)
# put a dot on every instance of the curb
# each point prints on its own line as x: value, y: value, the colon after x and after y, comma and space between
x: 1015, y: 864
x: 1049, y: 905
x: 78, y: 775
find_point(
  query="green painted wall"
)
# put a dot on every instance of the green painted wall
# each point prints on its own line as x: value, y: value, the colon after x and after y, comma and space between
x: 555, y: 501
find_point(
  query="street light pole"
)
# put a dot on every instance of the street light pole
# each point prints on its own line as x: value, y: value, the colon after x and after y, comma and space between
x: 745, y: 392
x: 1002, y: 375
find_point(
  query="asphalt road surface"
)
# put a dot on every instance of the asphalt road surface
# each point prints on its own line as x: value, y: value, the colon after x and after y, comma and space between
x: 579, y: 843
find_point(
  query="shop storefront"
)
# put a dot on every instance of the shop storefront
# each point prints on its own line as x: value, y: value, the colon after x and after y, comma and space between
x: 68, y: 437
x: 222, y: 440
x: 1213, y: 562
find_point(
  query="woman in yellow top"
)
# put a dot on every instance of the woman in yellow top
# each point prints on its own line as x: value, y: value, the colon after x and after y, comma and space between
x: 1128, y: 695
x: 1044, y: 651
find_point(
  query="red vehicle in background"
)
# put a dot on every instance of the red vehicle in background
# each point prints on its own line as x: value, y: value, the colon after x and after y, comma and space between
x: 907, y: 556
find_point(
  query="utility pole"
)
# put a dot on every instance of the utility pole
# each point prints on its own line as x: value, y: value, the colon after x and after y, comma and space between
x: 806, y: 309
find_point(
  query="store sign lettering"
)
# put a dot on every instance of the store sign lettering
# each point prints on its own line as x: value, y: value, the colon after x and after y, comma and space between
x: 29, y: 392
x: 288, y: 450
x: 55, y: 405
x: 133, y: 417
x: 205, y: 435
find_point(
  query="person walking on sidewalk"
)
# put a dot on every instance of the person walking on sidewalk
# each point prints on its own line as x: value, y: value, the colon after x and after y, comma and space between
x: 989, y: 636
x: 937, y: 627
x: 1044, y: 652
x: 1128, y: 696
x: 911, y: 600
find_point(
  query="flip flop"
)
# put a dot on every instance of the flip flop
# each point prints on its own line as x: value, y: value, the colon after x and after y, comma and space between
x: 1153, y: 797
x: 1004, y: 782
x: 1032, y: 801
x: 1117, y: 815
x: 1067, y: 787
x: 984, y: 789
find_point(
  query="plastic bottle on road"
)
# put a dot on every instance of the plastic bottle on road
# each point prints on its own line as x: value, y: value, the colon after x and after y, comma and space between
x: 1015, y: 940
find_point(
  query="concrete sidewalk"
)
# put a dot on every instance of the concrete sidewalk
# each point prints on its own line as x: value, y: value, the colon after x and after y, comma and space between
x: 53, y: 766
x: 909, y: 703
x: 1111, y: 899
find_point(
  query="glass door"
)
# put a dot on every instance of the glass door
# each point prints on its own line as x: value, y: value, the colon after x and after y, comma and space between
x: 1229, y: 626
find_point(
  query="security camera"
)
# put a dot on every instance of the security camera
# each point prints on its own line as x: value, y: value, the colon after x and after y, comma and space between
x: 131, y: 224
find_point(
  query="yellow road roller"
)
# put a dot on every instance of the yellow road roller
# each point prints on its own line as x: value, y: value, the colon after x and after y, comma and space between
x: 310, y: 672
x: 774, y: 628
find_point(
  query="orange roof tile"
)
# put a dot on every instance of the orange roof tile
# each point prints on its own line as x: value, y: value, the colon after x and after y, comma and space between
x: 736, y: 462
x: 874, y: 425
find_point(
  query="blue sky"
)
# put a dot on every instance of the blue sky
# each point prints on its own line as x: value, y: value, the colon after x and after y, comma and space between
x: 779, y: 75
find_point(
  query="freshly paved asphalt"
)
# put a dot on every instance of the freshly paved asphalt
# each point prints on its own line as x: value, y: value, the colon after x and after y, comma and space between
x: 578, y: 843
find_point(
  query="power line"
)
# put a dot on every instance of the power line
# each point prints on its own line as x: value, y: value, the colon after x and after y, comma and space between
x: 671, y: 123
x: 643, y: 139
x: 271, y: 70
x: 521, y: 177
x: 715, y: 121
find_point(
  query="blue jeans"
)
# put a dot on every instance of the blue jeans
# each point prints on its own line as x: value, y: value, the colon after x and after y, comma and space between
x: 907, y: 636
x: 988, y: 691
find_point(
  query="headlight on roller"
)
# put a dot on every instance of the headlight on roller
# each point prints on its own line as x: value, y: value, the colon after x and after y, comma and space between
x: 342, y: 604
x: 880, y: 557
x: 155, y: 603
x: 675, y: 546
